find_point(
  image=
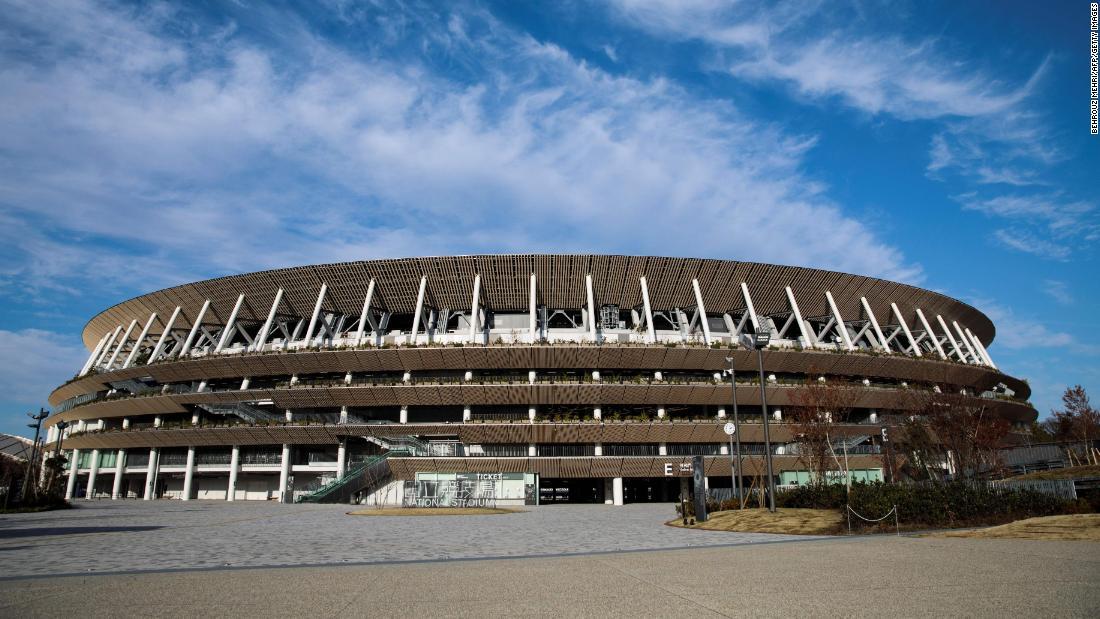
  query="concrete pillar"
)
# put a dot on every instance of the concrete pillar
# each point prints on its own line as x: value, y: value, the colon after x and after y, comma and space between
x: 404, y: 414
x: 284, y: 475
x: 597, y: 414
x: 724, y: 449
x: 599, y: 449
x: 189, y: 474
x: 658, y: 376
x: 125, y: 423
x: 157, y: 421
x: 116, y: 489
x: 151, y: 474
x: 341, y: 459
x: 347, y: 378
x: 661, y: 413
x: 293, y: 379
x: 467, y: 413
x: 194, y: 419
x: 532, y: 376
x: 202, y: 386
x: 721, y: 413
x: 608, y: 492
x: 617, y: 491
x: 289, y: 415
x: 596, y: 376
x: 662, y: 449
x: 343, y: 414
x: 234, y: 464
x: 532, y: 450
x: 245, y: 382
x: 70, y: 488
x: 531, y: 413
x: 92, y: 474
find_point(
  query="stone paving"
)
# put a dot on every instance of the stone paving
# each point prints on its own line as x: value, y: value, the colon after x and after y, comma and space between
x: 120, y: 536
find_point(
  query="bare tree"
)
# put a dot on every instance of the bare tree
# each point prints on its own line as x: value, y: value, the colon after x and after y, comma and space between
x: 967, y: 432
x: 819, y: 405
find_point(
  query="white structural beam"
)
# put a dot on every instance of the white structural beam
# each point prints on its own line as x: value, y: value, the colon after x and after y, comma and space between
x: 592, y: 305
x: 365, y: 313
x: 651, y: 333
x: 419, y: 308
x: 261, y: 337
x: 931, y: 334
x: 164, y: 336
x: 107, y: 346
x: 139, y: 340
x: 533, y: 308
x: 121, y: 343
x: 186, y: 348
x: 951, y: 338
x: 750, y: 308
x: 702, y: 311
x: 874, y: 324
x: 316, y: 312
x: 843, y: 328
x: 966, y: 344
x: 230, y: 325
x: 797, y: 313
x: 474, y: 307
x: 981, y: 349
x: 905, y: 329
x: 95, y: 353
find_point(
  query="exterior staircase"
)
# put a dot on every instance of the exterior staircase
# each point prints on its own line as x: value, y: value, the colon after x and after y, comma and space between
x: 366, y: 476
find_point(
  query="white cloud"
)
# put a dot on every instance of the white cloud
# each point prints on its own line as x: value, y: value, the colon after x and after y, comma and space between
x: 1055, y: 227
x: 1022, y: 240
x: 35, y: 362
x: 1058, y: 290
x: 610, y: 52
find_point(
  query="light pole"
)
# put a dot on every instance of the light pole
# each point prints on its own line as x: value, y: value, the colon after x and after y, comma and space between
x: 61, y: 426
x: 29, y: 479
x: 760, y: 342
x: 735, y: 465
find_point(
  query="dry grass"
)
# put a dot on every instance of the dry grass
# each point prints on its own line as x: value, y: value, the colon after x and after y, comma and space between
x: 1073, y: 527
x: 1073, y: 472
x: 434, y: 511
x: 789, y: 521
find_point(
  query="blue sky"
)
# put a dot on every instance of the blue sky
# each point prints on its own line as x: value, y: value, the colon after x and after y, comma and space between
x: 941, y: 144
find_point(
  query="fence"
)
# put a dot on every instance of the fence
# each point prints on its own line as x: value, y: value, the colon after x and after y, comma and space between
x: 1061, y: 488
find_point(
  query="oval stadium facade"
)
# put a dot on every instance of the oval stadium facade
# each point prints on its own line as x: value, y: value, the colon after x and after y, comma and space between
x: 509, y: 379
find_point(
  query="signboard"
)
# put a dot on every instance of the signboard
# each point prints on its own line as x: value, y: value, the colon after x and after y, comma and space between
x: 674, y: 468
x: 699, y: 476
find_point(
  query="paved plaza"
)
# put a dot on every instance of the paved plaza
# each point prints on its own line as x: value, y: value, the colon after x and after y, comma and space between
x: 169, y: 558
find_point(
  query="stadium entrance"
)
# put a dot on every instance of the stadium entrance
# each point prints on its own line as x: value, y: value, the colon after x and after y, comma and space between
x: 570, y: 490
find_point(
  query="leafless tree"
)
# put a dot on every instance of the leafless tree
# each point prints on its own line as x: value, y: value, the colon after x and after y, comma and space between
x: 819, y: 405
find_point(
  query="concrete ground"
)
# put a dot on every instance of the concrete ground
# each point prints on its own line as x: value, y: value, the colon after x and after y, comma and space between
x: 561, y: 561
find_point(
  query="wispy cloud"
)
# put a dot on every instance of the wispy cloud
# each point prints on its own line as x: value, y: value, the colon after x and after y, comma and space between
x: 1058, y: 290
x: 1055, y: 226
x: 35, y: 362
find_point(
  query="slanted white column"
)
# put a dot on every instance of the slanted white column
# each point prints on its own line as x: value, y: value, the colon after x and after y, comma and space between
x: 316, y: 312
x: 874, y: 324
x: 905, y: 329
x: 702, y: 310
x: 807, y: 335
x: 186, y: 348
x: 364, y: 315
x: 474, y: 307
x: 107, y: 347
x: 261, y: 337
x: 749, y: 307
x: 189, y: 474
x: 159, y: 347
x: 122, y: 342
x: 843, y: 328
x: 931, y: 333
x: 70, y: 488
x: 951, y: 338
x: 533, y: 309
x: 284, y: 476
x: 591, y: 307
x: 227, y: 330
x: 139, y: 340
x: 651, y: 333
x: 245, y: 382
x: 419, y: 308
x: 92, y: 357
x: 980, y: 348
x: 234, y: 465
x: 341, y: 459
x: 92, y: 474
x: 617, y: 491
x: 151, y: 472
x: 404, y: 414
x: 966, y: 343
x: 116, y: 488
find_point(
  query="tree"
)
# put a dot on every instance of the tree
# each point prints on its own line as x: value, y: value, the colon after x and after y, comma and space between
x: 967, y: 432
x: 818, y: 406
x: 1077, y: 421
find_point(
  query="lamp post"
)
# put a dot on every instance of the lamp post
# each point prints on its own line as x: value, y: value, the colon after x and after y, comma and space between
x: 28, y: 480
x: 735, y: 438
x: 61, y: 427
x: 760, y: 342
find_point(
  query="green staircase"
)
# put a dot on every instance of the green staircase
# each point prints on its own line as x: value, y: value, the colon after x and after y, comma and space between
x: 365, y: 476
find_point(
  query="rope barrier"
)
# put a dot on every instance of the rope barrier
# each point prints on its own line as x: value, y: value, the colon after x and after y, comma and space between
x: 894, y: 511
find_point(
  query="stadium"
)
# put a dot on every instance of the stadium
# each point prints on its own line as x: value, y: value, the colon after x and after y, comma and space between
x: 504, y: 379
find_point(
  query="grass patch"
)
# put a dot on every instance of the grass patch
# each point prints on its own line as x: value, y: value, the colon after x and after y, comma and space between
x: 435, y: 511
x: 1072, y: 527
x: 788, y: 520
x: 1073, y: 472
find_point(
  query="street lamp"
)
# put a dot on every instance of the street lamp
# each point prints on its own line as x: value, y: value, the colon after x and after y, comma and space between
x: 735, y: 465
x: 760, y: 341
x: 29, y: 479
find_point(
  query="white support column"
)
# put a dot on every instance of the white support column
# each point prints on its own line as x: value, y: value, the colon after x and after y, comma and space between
x: 532, y: 412
x: 534, y: 308
x: 467, y: 413
x: 951, y: 338
x: 284, y: 475
x: 843, y: 328
x: 189, y: 474
x: 365, y: 313
x: 70, y: 488
x: 116, y: 488
x: 92, y: 357
x: 341, y: 459
x: 107, y: 347
x: 164, y: 336
x: 227, y: 331
x: 662, y: 449
x: 592, y: 306
x: 92, y: 474
x: 702, y: 311
x: 125, y: 337
x: 419, y: 308
x: 749, y: 307
x: 966, y: 343
x: 343, y: 414
x: 404, y: 414
x: 661, y: 412
x: 234, y: 465
x: 874, y: 324
x: 650, y: 331
x: 186, y: 348
x: 316, y: 312
x: 931, y: 333
x: 905, y: 329
x: 597, y: 413
x: 151, y: 473
x: 261, y: 337
x: 617, y: 491
x: 980, y: 348
x: 807, y: 336
x: 722, y: 413
x: 532, y: 450
x: 597, y: 449
x: 139, y: 340
x: 474, y: 307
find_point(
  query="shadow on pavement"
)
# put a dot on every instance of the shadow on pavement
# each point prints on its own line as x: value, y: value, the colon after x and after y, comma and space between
x: 47, y: 531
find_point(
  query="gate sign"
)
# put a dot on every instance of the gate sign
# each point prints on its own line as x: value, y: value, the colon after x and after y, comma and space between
x: 699, y: 476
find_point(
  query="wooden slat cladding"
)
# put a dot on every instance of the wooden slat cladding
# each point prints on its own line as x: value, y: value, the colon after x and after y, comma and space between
x: 505, y: 281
